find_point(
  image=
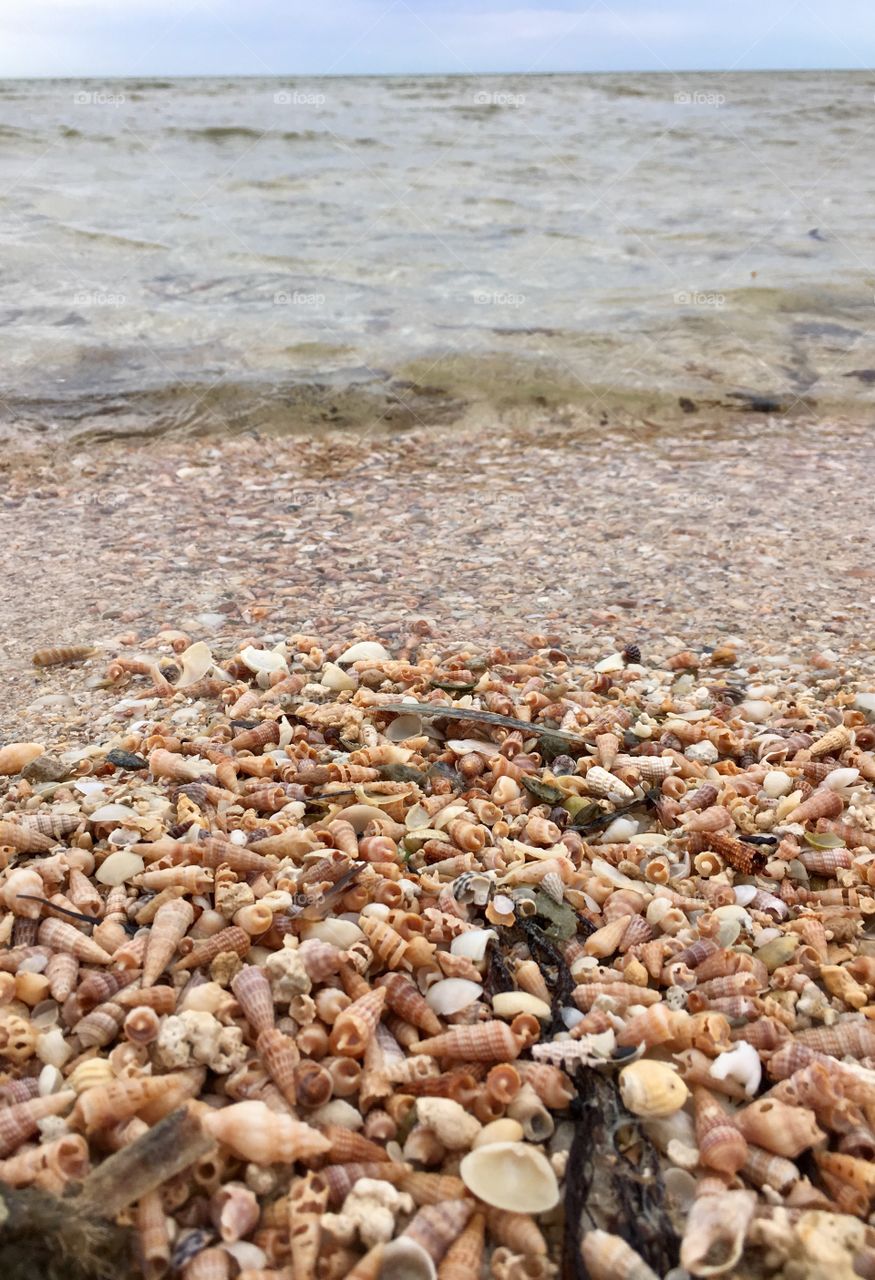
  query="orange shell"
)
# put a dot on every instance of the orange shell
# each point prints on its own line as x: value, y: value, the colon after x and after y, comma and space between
x: 778, y: 1127
x: 722, y: 1146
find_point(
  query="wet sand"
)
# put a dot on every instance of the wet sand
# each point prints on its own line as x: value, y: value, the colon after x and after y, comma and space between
x: 574, y: 534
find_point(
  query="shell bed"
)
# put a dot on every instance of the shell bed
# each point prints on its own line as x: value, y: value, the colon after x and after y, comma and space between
x: 445, y: 958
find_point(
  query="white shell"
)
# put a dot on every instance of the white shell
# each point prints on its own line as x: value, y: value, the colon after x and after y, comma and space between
x: 402, y: 727
x: 452, y: 994
x: 840, y: 778
x: 405, y: 1259
x: 745, y: 894
x: 511, y: 1175
x: 613, y: 662
x: 340, y: 933
x: 114, y: 813
x: 599, y: 782
x: 465, y: 746
x: 119, y: 867
x: 507, y: 1004
x: 777, y: 783
x: 619, y: 831
x: 359, y: 815
x: 333, y: 677
x: 742, y: 1064
x: 263, y: 660
x: 472, y: 943
x: 504, y: 1130
x: 195, y: 662
x: 756, y: 710
x: 865, y: 702
x: 365, y: 651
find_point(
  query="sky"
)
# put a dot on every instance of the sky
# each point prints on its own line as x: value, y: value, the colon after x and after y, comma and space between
x: 111, y: 38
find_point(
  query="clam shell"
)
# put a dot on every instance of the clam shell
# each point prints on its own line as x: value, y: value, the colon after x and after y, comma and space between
x: 507, y: 1004
x: 452, y: 994
x: 472, y: 943
x: 364, y: 651
x: 651, y: 1088
x: 511, y: 1175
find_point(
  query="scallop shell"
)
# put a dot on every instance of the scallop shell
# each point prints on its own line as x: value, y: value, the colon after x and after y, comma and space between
x: 512, y: 1176
x: 651, y: 1088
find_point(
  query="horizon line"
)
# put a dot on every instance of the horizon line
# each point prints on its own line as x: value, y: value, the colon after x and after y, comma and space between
x: 443, y: 75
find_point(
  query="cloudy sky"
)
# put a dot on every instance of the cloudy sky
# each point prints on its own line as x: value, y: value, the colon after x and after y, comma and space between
x: 344, y: 37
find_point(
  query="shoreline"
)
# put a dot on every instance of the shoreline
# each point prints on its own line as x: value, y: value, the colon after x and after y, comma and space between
x: 577, y: 533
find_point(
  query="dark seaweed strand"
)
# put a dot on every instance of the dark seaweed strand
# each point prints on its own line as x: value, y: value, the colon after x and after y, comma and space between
x: 544, y: 951
x: 484, y: 717
x: 498, y: 977
x: 627, y: 1199
x: 64, y: 911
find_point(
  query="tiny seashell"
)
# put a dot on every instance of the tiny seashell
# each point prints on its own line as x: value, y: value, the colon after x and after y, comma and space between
x: 364, y: 651
x: 599, y: 782
x: 609, y: 1257
x: 650, y: 1088
x: 452, y: 994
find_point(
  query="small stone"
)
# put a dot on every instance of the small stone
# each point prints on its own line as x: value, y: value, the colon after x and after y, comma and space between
x: 45, y: 769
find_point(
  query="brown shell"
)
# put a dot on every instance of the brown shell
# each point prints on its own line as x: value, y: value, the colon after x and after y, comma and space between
x: 252, y: 989
x: 307, y: 1199
x: 354, y: 1025
x: 782, y: 1129
x: 833, y: 742
x: 483, y: 1042
x: 60, y: 936
x: 341, y: 1178
x: 856, y: 1039
x: 21, y: 1120
x: 403, y: 998
x: 517, y: 1231
x: 24, y: 838
x: 386, y: 942
x: 58, y: 654
x: 745, y: 858
x: 62, y: 971
x: 722, y: 1146
x: 231, y: 939
x: 172, y: 922
x: 437, y: 1226
x: 279, y: 1053
x: 464, y: 1258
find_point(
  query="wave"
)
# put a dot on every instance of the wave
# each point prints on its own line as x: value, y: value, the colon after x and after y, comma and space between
x: 230, y: 132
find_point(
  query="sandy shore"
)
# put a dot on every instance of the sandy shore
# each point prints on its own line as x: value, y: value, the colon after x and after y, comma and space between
x: 758, y: 535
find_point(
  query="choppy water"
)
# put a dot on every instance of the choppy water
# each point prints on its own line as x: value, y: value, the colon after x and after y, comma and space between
x: 229, y: 253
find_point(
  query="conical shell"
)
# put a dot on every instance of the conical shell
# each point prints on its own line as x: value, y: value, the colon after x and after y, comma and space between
x: 436, y: 1226
x: 651, y: 1089
x: 511, y: 1175
x: 856, y: 1039
x: 766, y: 1170
x: 606, y: 747
x: 722, y: 1146
x: 60, y: 936
x: 403, y: 998
x: 172, y: 922
x: 609, y: 1257
x: 431, y: 1188
x: 280, y: 1056
x: 213, y: 852
x: 252, y: 989
x: 62, y: 971
x: 345, y: 1146
x: 654, y: 1026
x: 341, y: 1178
x: 605, y: 941
x: 23, y: 838
x: 202, y: 953
x: 744, y: 858
x: 255, y: 1133
x: 516, y: 1231
x: 464, y: 1258
x: 21, y: 1120
x: 104, y: 1105
x: 782, y: 1129
x: 355, y: 1025
x: 822, y: 804
x: 308, y: 1199
x: 483, y: 1042
x: 386, y: 942
x: 833, y: 743
x: 599, y: 782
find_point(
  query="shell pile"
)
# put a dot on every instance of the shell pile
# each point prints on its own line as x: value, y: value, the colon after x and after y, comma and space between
x: 372, y: 918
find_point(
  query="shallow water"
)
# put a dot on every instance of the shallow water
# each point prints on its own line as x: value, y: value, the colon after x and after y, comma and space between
x: 222, y: 254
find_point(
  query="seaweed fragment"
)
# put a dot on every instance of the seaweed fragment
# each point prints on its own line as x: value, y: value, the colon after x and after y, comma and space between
x: 613, y: 1179
x: 484, y: 717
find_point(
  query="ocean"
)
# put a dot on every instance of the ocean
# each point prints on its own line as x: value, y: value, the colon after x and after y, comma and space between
x: 204, y: 255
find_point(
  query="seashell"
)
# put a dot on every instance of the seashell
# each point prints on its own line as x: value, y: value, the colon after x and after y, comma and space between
x: 307, y: 1200
x: 17, y: 755
x: 507, y: 1004
x: 386, y: 942
x: 253, y: 992
x: 606, y: 941
x: 406, y: 1259
x: 103, y: 1105
x: 172, y: 921
x: 833, y: 743
x: 599, y: 782
x: 456, y: 1129
x: 345, y: 1146
x: 484, y: 1042
x: 232, y: 939
x: 23, y: 880
x: 654, y: 1026
x: 715, y: 1232
x: 24, y: 838
x: 512, y: 1176
x: 855, y: 1039
x: 824, y: 803
x: 609, y: 1257
x: 355, y: 1025
x: 253, y: 1132
x: 435, y: 1226
x: 62, y: 971
x: 464, y: 1258
x: 281, y: 1057
x: 741, y: 1064
x: 784, y: 1130
x: 60, y: 936
x: 450, y: 995
x: 651, y: 1088
x: 403, y: 998
x: 364, y: 651
x: 59, y: 654
x: 21, y: 1120
x: 722, y: 1145
x: 766, y: 1170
